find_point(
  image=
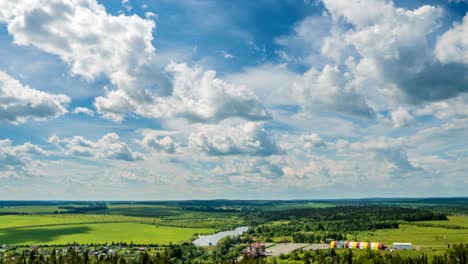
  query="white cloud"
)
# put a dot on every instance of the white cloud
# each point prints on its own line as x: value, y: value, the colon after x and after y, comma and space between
x: 157, y: 140
x: 394, y: 51
x: 207, y: 98
x: 107, y: 147
x: 331, y: 89
x: 448, y: 109
x: 143, y: 175
x: 312, y: 141
x: 303, y: 45
x: 83, y: 110
x: 227, y: 55
x: 248, y: 138
x: 312, y: 175
x: 93, y: 43
x: 17, y: 160
x: 401, y: 118
x: 83, y: 35
x: 197, y: 96
x: 151, y: 15
x: 271, y: 83
x: 20, y: 103
x: 243, y: 171
x: 127, y: 5
x: 452, y: 46
x: 391, y: 151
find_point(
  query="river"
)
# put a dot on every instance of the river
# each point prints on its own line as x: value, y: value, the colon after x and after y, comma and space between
x: 212, y: 240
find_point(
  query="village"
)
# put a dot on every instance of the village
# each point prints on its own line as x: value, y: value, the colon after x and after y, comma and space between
x: 254, y: 250
x: 92, y: 250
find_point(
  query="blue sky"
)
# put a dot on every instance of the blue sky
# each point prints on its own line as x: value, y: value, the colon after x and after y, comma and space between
x: 244, y: 100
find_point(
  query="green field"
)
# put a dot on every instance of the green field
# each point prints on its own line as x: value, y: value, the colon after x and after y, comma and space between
x: 42, y: 209
x: 7, y: 221
x: 421, y: 236
x: 83, y: 228
x: 98, y: 233
x: 454, y: 220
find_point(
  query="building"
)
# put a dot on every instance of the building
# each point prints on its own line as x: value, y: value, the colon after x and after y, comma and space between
x: 255, y: 250
x: 359, y: 245
x: 402, y: 246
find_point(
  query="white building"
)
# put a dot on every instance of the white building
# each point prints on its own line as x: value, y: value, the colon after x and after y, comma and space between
x: 403, y: 246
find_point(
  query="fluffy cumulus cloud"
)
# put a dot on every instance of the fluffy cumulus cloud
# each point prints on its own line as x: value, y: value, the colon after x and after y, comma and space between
x: 19, y: 103
x: 159, y: 141
x: 394, y: 50
x: 249, y: 138
x: 254, y: 170
x: 18, y: 160
x: 311, y: 175
x: 196, y: 95
x: 83, y: 110
x: 94, y: 43
x: 204, y: 97
x: 83, y: 35
x: 331, y: 90
x: 108, y: 147
x: 312, y: 141
x: 452, y: 46
x: 391, y: 151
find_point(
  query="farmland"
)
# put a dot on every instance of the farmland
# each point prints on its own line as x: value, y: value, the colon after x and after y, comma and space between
x: 99, y: 233
x: 165, y: 227
x: 140, y: 224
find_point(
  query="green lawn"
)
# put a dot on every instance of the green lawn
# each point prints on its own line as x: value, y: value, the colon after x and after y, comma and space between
x: 98, y: 233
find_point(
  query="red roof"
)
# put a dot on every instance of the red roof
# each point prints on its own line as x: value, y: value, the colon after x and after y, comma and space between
x: 258, y: 245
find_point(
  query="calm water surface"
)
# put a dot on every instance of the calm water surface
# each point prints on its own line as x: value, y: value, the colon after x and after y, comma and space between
x: 213, y: 239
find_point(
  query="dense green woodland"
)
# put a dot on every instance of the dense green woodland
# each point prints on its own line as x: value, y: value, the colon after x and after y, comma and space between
x: 187, y: 253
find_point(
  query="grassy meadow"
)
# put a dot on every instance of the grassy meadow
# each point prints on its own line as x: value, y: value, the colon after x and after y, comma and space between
x: 161, y: 223
x: 86, y: 233
x: 141, y: 224
x: 424, y: 236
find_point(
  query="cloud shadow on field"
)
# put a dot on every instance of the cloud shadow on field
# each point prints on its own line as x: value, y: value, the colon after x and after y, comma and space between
x: 21, y: 235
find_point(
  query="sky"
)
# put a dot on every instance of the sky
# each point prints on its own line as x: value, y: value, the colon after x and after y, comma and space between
x: 209, y: 99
